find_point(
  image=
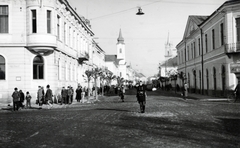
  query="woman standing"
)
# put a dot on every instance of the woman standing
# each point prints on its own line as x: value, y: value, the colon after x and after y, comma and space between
x: 48, y: 97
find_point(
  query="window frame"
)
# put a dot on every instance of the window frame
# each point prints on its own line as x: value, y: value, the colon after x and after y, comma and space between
x: 6, y: 27
x: 37, y: 66
x: 49, y: 21
x: 34, y: 21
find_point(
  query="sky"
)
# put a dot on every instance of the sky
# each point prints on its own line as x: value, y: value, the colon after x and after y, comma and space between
x: 144, y: 35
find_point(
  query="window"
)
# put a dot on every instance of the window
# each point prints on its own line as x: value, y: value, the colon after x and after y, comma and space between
x: 199, y: 46
x: 207, y: 78
x: 194, y: 49
x: 58, y: 26
x: 2, y: 68
x: 213, y: 39
x: 206, y: 42
x: 65, y: 32
x: 34, y: 21
x: 238, y: 29
x: 38, y: 68
x: 188, y: 53
x: 48, y: 21
x: 3, y: 19
x: 120, y: 51
x: 69, y: 36
x: 222, y: 34
x: 214, y: 80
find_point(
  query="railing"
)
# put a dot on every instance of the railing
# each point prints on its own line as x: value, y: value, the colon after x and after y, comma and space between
x: 232, y: 47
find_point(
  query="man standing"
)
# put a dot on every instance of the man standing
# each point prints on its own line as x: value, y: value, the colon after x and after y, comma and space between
x: 16, y: 99
x: 64, y: 96
x: 141, y: 96
x: 40, y: 96
x: 79, y: 93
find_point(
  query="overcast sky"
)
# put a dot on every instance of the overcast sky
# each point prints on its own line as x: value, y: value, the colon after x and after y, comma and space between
x: 145, y: 36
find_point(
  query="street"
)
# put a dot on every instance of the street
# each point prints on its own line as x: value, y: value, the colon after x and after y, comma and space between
x: 169, y: 121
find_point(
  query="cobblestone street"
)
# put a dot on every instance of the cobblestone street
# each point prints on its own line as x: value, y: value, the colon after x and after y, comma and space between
x: 168, y: 122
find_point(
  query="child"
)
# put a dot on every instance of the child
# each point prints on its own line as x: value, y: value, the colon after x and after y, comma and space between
x: 28, y: 98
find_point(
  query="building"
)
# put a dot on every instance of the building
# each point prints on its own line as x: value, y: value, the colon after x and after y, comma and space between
x: 208, y: 55
x: 42, y: 42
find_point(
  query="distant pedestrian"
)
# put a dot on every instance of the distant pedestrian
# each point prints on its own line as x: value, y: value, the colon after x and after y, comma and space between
x: 28, y: 100
x: 64, y: 95
x: 122, y: 92
x: 43, y: 96
x: 70, y: 94
x: 83, y: 94
x: 237, y: 91
x: 79, y: 93
x: 16, y: 99
x: 141, y: 96
x: 185, y: 91
x: 22, y: 97
x: 40, y: 95
x: 48, y: 97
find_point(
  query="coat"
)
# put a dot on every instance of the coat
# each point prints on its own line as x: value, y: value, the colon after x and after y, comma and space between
x: 78, y: 94
x: 141, y: 93
x: 48, y: 95
x: 16, y: 96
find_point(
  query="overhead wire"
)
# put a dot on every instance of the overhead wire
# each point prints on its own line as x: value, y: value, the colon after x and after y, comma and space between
x: 175, y: 2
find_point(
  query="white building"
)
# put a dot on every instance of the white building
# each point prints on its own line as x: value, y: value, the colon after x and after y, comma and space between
x: 42, y: 42
x: 208, y: 55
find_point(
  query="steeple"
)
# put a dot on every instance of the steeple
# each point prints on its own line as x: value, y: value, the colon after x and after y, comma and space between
x: 120, y: 38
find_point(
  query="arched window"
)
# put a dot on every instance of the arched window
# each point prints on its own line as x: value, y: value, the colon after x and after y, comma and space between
x: 38, y: 67
x: 2, y: 68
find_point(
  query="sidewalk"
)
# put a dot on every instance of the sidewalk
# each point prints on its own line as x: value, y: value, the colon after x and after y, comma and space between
x: 7, y: 106
x: 204, y: 97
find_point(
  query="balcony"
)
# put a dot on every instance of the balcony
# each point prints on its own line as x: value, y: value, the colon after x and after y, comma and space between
x: 83, y: 57
x: 43, y: 44
x: 232, y: 48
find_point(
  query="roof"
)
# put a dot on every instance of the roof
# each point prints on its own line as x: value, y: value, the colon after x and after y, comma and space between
x: 120, y: 38
x: 198, y: 19
x: 110, y: 58
x: 170, y: 62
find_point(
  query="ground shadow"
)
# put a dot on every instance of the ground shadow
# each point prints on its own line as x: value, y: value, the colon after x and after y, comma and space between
x: 24, y: 109
x: 112, y: 109
x: 231, y: 125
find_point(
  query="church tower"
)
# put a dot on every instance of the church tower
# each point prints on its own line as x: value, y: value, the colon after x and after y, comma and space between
x: 121, y: 48
x: 121, y: 56
x: 168, y: 49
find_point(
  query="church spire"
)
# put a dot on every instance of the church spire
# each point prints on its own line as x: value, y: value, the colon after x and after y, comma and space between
x: 120, y: 38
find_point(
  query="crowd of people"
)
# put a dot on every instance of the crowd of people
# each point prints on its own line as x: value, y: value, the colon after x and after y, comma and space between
x: 66, y: 96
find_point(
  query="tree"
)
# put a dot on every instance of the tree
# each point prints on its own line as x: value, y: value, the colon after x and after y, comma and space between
x: 94, y: 73
x: 110, y: 77
x: 120, y: 81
